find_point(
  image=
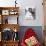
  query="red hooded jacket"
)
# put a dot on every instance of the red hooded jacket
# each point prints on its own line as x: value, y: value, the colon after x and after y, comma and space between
x: 29, y: 33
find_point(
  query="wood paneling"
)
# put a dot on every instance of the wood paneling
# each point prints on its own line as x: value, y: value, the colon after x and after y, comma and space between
x: 44, y: 7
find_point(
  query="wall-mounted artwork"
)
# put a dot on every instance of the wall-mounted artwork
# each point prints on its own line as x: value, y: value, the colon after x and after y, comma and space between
x: 30, y: 13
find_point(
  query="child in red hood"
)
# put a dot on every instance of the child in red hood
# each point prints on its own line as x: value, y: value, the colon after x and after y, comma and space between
x: 30, y: 39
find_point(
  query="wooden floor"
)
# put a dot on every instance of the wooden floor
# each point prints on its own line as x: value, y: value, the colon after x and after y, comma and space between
x: 44, y: 8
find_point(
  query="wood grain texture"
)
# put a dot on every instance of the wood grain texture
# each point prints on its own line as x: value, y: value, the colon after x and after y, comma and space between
x: 44, y: 7
x: 11, y: 26
x: 10, y: 43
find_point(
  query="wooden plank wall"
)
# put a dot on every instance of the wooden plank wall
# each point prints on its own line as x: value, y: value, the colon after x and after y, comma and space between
x: 11, y: 26
x: 44, y: 7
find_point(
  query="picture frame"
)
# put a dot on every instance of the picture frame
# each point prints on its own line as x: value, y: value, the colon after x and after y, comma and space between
x: 30, y: 13
x: 5, y: 12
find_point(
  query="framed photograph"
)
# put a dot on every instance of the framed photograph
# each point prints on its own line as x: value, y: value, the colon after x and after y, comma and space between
x: 5, y: 12
x: 30, y: 14
x: 11, y: 13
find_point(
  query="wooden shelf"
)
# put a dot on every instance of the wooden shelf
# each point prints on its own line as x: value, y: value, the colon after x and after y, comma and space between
x: 9, y: 43
x: 7, y: 8
x: 10, y: 26
x: 4, y: 24
x: 5, y: 14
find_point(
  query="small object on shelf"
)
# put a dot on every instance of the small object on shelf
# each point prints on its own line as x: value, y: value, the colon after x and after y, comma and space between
x: 9, y: 20
x: 15, y: 30
x: 6, y: 21
x: 0, y: 19
x: 0, y: 12
x: 13, y: 12
x: 15, y: 34
x: 0, y: 36
x: 15, y: 37
x: 5, y: 12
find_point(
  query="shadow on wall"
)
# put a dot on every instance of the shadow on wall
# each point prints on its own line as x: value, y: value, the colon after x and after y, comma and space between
x: 37, y: 29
